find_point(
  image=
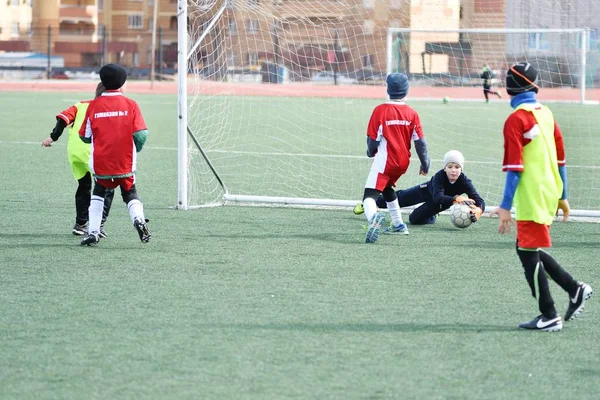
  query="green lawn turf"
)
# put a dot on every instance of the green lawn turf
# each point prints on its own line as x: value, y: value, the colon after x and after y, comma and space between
x: 247, y: 302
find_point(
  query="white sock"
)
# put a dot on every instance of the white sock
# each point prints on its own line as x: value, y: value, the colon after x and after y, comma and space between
x: 394, y: 209
x: 95, y: 213
x: 136, y: 210
x: 370, y: 207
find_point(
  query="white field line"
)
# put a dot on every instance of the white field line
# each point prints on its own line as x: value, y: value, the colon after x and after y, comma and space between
x: 279, y: 154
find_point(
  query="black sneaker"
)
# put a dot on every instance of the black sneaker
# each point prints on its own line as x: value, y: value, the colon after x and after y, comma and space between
x: 80, y: 229
x: 577, y: 302
x: 541, y: 323
x: 90, y: 239
x: 142, y: 228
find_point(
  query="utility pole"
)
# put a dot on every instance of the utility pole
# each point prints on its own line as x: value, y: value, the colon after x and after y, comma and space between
x: 49, y: 51
x: 153, y: 50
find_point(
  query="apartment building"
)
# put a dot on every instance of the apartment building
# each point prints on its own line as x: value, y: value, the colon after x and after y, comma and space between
x: 15, y: 24
x: 310, y: 35
x: 91, y: 32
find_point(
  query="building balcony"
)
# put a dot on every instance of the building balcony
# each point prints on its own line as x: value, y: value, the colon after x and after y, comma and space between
x: 74, y: 13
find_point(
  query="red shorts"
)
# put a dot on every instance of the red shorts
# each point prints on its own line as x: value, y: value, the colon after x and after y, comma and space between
x: 531, y: 235
x: 389, y: 177
x: 125, y: 183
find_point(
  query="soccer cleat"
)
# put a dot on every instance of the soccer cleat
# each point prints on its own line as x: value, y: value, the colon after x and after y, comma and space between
x: 102, y: 232
x: 577, y: 303
x: 80, y: 229
x: 142, y: 228
x: 374, y: 227
x: 90, y: 239
x: 541, y: 323
x: 358, y: 209
x: 401, y: 229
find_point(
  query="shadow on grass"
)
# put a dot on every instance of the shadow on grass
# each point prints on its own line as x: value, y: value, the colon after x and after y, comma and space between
x: 365, y: 327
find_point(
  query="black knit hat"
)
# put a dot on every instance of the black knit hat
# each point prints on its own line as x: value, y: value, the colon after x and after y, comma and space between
x: 397, y: 85
x: 521, y: 78
x: 113, y: 76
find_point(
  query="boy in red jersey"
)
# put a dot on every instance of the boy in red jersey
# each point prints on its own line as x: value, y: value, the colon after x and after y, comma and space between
x: 116, y: 129
x: 534, y: 161
x: 79, y: 158
x: 392, y: 127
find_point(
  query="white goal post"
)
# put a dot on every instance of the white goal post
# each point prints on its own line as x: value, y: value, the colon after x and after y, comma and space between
x: 274, y: 97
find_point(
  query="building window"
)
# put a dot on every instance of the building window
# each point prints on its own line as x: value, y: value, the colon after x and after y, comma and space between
x: 368, y: 27
x: 231, y: 26
x: 150, y: 2
x: 366, y: 61
x: 135, y: 59
x: 231, y: 59
x: 150, y: 24
x: 173, y: 24
x: 14, y: 29
x: 14, y: 2
x: 100, y: 5
x: 230, y: 3
x: 537, y: 42
x: 135, y: 21
x: 252, y: 26
x: 395, y: 4
x: 253, y: 58
x: 253, y: 3
x: 368, y: 4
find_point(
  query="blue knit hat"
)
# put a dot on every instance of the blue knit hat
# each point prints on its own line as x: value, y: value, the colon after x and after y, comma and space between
x: 397, y: 85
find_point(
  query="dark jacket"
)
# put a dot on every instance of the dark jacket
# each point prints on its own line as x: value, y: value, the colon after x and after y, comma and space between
x: 443, y: 192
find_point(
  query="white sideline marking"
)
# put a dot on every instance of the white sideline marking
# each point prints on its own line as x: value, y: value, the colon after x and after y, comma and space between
x: 275, y: 154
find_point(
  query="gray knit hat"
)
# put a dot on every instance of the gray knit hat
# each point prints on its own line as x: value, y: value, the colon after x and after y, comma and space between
x: 454, y: 156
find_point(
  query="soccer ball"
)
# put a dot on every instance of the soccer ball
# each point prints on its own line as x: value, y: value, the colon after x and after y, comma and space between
x: 446, y: 100
x: 460, y: 215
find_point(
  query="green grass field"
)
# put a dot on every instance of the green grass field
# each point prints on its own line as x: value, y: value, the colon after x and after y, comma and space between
x: 246, y: 302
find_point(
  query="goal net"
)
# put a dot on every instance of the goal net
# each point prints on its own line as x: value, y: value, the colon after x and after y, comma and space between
x: 279, y: 92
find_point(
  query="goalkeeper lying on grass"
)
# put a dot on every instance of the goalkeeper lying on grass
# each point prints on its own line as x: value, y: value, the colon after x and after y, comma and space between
x: 447, y: 187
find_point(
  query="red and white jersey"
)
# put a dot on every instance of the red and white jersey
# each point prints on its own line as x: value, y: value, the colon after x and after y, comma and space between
x: 394, y: 124
x: 110, y: 122
x: 519, y: 128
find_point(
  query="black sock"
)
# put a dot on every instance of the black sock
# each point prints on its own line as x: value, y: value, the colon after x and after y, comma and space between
x: 558, y: 273
x: 537, y: 280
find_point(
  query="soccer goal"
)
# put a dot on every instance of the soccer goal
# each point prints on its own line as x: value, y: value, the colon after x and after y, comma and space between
x: 275, y: 96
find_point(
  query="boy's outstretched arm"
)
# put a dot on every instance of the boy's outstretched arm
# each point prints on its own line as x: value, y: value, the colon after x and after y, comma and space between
x: 421, y: 148
x: 56, y: 132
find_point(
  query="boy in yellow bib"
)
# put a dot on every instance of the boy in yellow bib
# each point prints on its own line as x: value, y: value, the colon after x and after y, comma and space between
x: 536, y: 179
x: 79, y: 156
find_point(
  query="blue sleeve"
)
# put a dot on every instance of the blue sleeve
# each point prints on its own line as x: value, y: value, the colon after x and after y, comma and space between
x: 562, y: 170
x: 421, y: 147
x: 372, y: 146
x: 512, y: 180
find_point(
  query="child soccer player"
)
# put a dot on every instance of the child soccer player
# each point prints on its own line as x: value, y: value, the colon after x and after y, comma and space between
x: 447, y: 187
x: 534, y: 161
x: 115, y: 127
x: 486, y: 75
x: 391, y: 128
x: 79, y: 157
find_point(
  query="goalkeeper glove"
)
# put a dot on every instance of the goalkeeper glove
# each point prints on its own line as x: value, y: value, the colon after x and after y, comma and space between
x: 462, y: 199
x: 475, y: 213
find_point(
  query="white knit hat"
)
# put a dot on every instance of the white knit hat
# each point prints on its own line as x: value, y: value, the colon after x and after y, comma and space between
x: 454, y: 156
